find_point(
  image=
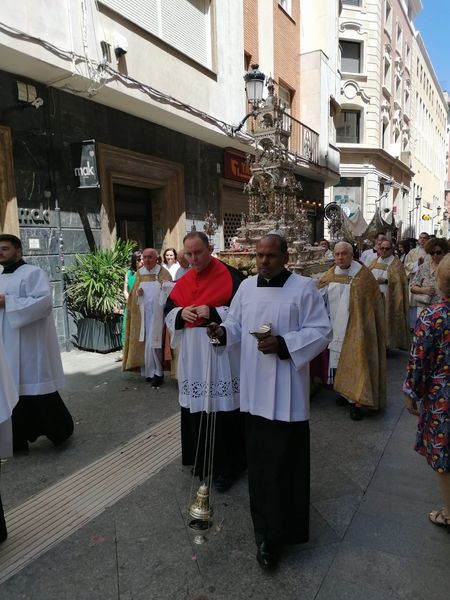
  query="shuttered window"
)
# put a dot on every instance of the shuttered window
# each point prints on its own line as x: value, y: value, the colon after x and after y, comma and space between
x: 352, y: 2
x: 184, y: 24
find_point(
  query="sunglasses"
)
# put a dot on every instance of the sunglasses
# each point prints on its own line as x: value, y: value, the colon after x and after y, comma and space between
x: 436, y: 253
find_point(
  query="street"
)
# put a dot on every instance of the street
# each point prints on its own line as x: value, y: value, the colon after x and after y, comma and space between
x: 105, y: 517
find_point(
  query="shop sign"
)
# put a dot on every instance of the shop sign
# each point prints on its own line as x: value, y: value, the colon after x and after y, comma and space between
x: 235, y: 165
x: 85, y: 169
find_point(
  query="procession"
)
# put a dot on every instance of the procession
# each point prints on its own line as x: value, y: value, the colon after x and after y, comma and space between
x: 224, y: 300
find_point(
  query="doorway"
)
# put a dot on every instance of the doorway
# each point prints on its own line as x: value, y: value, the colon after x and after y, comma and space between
x: 133, y: 212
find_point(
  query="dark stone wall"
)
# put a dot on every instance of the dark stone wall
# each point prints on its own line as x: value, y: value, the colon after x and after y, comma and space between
x: 43, y: 163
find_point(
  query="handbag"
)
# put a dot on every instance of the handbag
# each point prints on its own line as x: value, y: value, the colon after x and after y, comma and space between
x: 422, y: 299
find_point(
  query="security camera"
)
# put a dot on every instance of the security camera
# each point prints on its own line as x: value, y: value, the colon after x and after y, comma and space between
x: 120, y: 45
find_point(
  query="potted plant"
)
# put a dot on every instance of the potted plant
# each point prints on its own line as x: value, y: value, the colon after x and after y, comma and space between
x: 94, y: 294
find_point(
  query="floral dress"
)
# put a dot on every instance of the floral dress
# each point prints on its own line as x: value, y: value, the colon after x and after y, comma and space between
x: 428, y: 381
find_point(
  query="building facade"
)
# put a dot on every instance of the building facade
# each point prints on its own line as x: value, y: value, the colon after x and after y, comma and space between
x: 430, y: 144
x: 374, y: 124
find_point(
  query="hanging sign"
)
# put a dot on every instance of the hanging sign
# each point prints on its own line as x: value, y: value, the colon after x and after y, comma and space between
x: 85, y: 164
x: 236, y: 165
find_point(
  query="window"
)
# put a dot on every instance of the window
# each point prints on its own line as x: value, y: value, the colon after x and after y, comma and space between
x: 352, y: 2
x: 398, y: 89
x: 348, y: 190
x: 350, y: 57
x: 285, y: 96
x: 387, y: 74
x: 384, y: 134
x: 183, y: 24
x: 399, y: 39
x: 348, y: 127
x: 388, y: 18
x: 407, y: 57
x: 286, y: 5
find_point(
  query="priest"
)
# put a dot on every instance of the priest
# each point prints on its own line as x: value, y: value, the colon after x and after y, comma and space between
x: 393, y: 284
x: 208, y: 377
x: 29, y: 336
x: 145, y: 320
x: 357, y: 360
x: 275, y: 392
x: 8, y: 399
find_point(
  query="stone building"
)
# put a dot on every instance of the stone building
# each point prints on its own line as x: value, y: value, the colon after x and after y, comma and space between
x: 373, y: 126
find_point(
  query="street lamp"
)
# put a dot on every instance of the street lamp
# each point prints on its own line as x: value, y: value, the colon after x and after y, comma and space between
x: 418, y: 200
x: 254, y: 87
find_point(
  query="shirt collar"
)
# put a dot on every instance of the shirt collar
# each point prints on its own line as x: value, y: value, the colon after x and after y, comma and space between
x: 11, y: 268
x: 277, y: 281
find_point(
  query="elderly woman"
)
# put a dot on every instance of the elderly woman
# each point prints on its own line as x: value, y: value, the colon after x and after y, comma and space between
x: 427, y: 389
x: 423, y: 284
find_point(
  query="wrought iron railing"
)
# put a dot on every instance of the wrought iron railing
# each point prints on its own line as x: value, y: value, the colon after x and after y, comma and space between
x: 304, y: 141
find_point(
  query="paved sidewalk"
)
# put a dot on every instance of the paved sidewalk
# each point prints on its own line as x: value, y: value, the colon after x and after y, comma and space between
x: 370, y: 537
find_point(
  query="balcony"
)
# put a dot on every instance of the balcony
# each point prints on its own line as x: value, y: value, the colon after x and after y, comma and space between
x: 278, y: 129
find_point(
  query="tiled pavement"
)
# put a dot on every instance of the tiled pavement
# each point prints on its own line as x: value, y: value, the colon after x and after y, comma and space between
x: 370, y: 537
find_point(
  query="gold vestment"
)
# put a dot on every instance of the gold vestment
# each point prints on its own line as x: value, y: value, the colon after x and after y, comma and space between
x: 361, y: 371
x: 396, y: 304
x: 134, y: 350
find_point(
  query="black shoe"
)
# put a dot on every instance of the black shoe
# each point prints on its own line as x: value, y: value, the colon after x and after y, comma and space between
x: 267, y: 555
x: 158, y: 380
x: 222, y: 483
x: 355, y: 413
x: 341, y: 401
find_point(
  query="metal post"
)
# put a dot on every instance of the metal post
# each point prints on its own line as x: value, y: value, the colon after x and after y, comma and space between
x: 62, y: 270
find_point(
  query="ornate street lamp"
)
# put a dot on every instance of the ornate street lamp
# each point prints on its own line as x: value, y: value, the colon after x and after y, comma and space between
x: 418, y: 200
x: 254, y: 88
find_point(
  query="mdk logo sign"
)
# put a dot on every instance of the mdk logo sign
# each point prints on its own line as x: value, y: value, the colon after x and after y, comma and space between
x: 85, y: 169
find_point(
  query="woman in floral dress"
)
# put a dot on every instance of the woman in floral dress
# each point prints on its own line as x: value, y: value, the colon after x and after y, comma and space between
x: 427, y: 388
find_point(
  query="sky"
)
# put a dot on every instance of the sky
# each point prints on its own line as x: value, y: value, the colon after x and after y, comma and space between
x: 433, y: 22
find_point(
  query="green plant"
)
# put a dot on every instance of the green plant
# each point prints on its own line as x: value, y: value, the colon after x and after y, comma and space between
x: 95, y: 281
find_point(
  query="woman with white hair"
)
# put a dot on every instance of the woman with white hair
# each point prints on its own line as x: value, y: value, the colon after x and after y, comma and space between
x: 427, y: 388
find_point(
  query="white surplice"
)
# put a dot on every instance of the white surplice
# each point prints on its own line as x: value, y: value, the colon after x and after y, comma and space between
x: 382, y: 272
x: 337, y: 299
x: 8, y: 399
x: 152, y: 321
x: 28, y: 331
x: 208, y: 377
x: 270, y: 387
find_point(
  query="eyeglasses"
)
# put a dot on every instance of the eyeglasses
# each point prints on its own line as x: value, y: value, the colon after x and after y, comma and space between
x: 384, y: 248
x: 436, y: 253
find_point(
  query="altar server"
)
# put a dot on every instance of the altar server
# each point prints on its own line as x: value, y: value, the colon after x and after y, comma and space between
x: 8, y: 400
x: 29, y: 336
x: 275, y: 392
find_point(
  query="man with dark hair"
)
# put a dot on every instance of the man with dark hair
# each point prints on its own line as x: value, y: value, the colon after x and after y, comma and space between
x: 29, y: 336
x: 275, y: 392
x: 371, y: 253
x: 208, y: 378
